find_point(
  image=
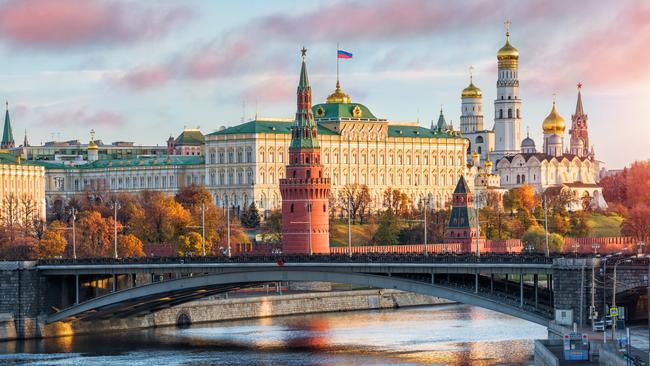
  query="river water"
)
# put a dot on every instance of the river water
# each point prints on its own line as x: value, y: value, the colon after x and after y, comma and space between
x: 436, y: 335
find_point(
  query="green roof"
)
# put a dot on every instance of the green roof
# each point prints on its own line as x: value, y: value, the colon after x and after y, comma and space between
x: 265, y: 126
x: 342, y: 110
x: 190, y: 137
x: 8, y: 159
x: 171, y: 160
x: 416, y: 131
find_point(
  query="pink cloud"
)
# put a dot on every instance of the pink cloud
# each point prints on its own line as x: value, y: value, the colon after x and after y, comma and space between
x: 56, y: 23
x: 611, y: 54
x: 84, y: 117
x: 146, y: 77
x: 273, y: 90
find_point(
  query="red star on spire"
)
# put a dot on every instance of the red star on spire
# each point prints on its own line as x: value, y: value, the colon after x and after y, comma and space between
x: 579, y: 85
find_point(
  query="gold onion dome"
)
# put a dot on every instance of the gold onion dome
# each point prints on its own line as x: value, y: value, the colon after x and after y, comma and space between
x: 488, y: 163
x: 507, y: 51
x: 92, y: 146
x: 475, y: 155
x: 338, y: 96
x: 472, y: 91
x: 554, y: 123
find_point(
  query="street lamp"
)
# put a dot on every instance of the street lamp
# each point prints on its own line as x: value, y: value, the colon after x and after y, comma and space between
x: 115, y: 205
x: 73, y: 214
x: 623, y: 260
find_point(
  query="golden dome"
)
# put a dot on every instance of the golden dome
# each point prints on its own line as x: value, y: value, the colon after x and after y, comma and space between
x: 488, y: 163
x: 471, y: 91
x: 554, y: 123
x: 475, y: 155
x: 507, y: 52
x: 92, y: 145
x: 338, y: 96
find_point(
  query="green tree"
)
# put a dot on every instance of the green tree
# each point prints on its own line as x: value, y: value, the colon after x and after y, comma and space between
x: 272, y: 228
x: 250, y: 218
x: 388, y: 231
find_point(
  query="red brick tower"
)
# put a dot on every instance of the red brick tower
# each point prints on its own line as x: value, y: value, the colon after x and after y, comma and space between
x: 305, y: 192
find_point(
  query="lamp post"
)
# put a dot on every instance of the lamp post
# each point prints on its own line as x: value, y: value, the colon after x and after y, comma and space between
x: 349, y: 227
x: 614, y: 295
x: 605, y: 296
x: 426, y: 208
x: 115, y: 206
x: 228, y: 225
x: 73, y: 214
x: 202, y: 226
x: 478, y: 201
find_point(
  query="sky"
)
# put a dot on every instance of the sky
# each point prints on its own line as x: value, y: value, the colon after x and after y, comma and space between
x: 143, y: 70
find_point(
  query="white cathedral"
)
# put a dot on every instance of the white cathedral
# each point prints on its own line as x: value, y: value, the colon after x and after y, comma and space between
x: 517, y: 161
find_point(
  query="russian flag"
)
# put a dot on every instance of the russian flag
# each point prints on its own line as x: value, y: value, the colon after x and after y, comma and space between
x: 343, y: 54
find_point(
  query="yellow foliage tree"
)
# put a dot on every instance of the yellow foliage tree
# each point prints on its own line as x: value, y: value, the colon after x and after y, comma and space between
x: 53, y: 243
x: 129, y: 246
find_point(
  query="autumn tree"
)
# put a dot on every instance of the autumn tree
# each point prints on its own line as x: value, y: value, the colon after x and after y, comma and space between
x: 129, y: 246
x: 193, y: 196
x: 397, y: 201
x: 161, y: 220
x: 94, y: 234
x: 355, y: 199
x: 53, y: 243
x: 637, y: 223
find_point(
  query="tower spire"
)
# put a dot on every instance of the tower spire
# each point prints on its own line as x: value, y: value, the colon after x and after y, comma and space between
x: 7, y: 133
x: 579, y: 109
x: 304, y: 132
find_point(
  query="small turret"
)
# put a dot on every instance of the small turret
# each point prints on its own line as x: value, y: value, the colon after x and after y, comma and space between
x: 93, y: 149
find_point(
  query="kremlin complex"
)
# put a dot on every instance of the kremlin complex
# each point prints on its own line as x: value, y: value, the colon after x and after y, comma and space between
x: 297, y: 164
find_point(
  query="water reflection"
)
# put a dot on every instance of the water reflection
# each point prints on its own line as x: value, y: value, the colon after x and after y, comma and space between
x: 441, y: 335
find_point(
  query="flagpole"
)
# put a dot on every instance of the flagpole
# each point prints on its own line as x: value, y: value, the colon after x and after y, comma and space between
x: 337, y: 63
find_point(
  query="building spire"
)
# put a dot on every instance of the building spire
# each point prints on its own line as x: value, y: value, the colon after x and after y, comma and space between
x: 304, y: 131
x: 7, y: 133
x: 25, y: 142
x: 579, y: 109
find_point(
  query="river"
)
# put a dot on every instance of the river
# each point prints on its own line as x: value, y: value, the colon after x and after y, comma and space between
x: 436, y: 335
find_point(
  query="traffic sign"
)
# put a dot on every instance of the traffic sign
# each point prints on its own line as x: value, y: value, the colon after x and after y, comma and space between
x: 613, y: 311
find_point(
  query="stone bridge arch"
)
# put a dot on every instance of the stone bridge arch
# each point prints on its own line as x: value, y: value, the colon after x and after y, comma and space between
x: 154, y: 297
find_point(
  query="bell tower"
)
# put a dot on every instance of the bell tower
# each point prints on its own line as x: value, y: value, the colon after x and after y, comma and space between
x: 305, y: 191
x: 507, y: 106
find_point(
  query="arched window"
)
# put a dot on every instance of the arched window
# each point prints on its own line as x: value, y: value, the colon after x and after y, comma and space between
x: 509, y: 113
x: 518, y: 179
x: 518, y: 113
x: 500, y: 113
x: 479, y: 139
x: 478, y: 149
x: 523, y: 178
x: 324, y: 208
x: 291, y: 208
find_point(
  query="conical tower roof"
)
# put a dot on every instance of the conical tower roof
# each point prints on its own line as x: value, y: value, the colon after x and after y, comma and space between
x: 304, y: 132
x: 461, y: 186
x: 579, y: 109
x: 7, y: 133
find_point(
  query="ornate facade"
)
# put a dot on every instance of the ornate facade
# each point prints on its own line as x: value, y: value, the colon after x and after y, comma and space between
x: 245, y: 162
x: 21, y: 184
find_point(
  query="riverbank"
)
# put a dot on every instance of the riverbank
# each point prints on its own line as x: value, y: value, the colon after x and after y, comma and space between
x: 230, y: 309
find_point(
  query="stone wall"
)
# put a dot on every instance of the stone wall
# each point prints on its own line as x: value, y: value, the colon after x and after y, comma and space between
x: 243, y: 308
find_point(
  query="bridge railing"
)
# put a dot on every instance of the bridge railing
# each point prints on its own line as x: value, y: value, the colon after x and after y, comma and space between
x: 281, y: 259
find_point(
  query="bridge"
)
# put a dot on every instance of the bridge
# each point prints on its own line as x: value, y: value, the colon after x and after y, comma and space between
x: 530, y: 287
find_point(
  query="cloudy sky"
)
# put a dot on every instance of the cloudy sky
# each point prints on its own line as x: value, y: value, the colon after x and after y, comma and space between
x: 142, y: 70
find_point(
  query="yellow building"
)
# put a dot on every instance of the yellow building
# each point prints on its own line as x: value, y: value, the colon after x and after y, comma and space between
x: 245, y: 162
x: 22, y: 189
